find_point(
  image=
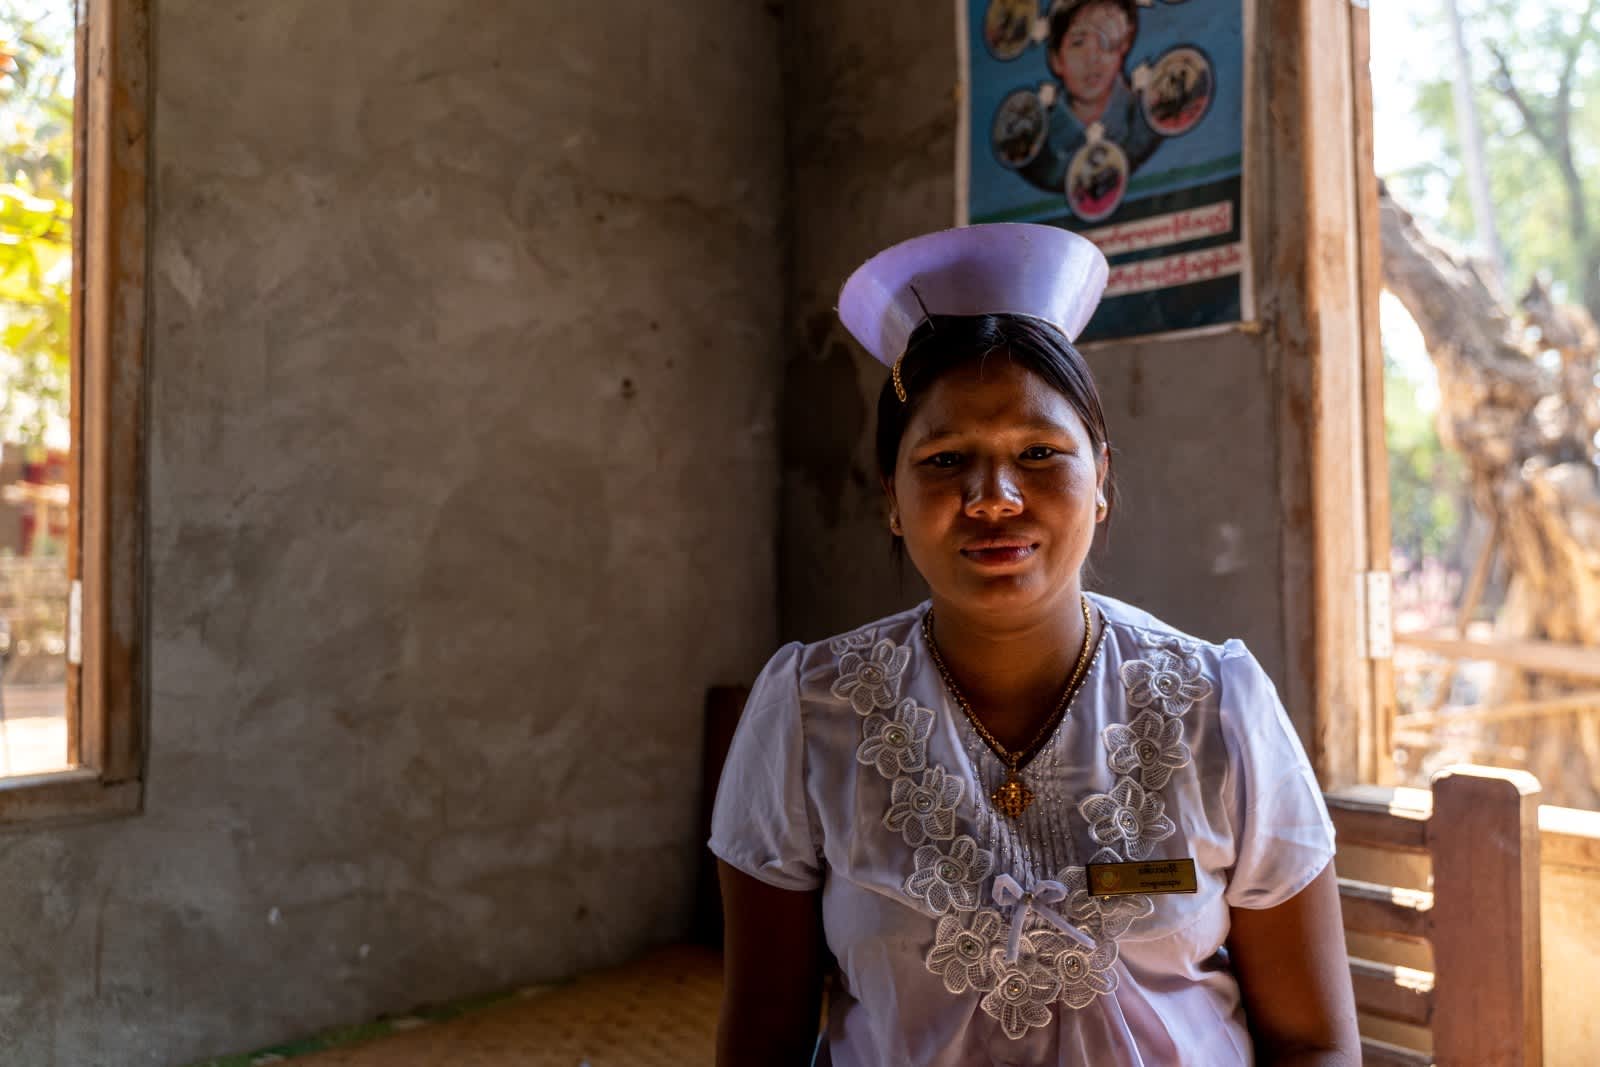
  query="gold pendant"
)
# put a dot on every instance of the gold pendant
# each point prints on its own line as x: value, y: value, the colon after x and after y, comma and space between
x: 1012, y: 798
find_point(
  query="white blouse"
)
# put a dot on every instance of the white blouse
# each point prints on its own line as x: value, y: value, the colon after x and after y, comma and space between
x: 964, y: 937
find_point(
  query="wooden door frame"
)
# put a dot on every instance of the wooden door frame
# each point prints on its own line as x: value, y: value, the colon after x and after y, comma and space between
x: 1322, y: 249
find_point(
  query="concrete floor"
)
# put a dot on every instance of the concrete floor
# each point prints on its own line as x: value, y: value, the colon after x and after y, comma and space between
x: 658, y: 1011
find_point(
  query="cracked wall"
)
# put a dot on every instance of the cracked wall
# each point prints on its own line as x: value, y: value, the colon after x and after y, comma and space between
x: 464, y: 352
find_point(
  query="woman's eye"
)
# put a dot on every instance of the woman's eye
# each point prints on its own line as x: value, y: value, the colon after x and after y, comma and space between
x: 943, y: 460
x: 1039, y: 452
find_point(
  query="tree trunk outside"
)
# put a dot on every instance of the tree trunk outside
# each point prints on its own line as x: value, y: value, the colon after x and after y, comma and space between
x: 1525, y: 428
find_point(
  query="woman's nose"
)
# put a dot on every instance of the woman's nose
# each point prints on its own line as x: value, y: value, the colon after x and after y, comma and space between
x: 993, y: 492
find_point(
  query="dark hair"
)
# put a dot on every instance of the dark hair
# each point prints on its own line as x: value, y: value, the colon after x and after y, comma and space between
x: 942, y: 343
x: 1062, y: 16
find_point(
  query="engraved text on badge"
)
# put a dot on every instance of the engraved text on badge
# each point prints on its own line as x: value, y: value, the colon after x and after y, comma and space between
x: 1148, y: 876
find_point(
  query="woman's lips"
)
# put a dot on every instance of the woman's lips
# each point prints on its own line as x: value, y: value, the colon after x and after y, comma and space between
x: 999, y: 554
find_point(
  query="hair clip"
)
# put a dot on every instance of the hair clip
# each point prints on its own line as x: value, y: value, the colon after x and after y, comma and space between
x: 894, y: 373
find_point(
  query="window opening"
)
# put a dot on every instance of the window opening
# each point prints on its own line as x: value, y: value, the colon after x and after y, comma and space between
x: 1491, y: 266
x: 37, y: 149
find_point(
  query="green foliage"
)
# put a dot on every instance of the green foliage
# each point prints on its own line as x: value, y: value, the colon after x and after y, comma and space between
x: 1426, y: 482
x: 36, y: 163
x: 1534, y: 37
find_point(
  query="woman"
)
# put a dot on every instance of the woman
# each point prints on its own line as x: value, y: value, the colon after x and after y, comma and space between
x: 1087, y: 51
x: 959, y: 798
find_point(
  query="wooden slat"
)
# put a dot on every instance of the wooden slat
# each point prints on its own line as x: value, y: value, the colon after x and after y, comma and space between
x: 1484, y: 838
x: 724, y: 706
x: 1378, y: 817
x: 80, y: 152
x: 1375, y: 1053
x: 1569, y: 837
x: 1540, y: 657
x: 1586, y: 700
x: 1400, y: 994
x: 1384, y: 910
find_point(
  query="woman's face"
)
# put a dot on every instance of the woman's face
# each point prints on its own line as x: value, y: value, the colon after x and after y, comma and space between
x: 996, y: 490
x: 1091, y: 53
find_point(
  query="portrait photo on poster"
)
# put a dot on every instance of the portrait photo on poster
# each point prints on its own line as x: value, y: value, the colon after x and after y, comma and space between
x: 1122, y: 120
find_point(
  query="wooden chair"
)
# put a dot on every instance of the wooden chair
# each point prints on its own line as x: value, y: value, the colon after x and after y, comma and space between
x: 1478, y: 911
x: 724, y: 705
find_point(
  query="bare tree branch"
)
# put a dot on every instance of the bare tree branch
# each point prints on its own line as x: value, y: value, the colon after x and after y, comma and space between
x: 1575, y: 50
x: 1506, y: 86
x: 1563, y: 102
x: 1554, y: 135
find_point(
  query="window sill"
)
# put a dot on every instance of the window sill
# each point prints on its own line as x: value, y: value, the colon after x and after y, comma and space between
x: 65, y: 796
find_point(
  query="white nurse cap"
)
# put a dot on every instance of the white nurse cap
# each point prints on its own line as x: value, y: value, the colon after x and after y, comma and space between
x: 1043, y: 272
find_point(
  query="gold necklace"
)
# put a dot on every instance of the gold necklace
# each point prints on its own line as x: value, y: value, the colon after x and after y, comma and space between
x: 1012, y: 798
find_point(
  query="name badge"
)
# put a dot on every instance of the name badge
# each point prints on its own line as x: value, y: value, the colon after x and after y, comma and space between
x: 1146, y: 876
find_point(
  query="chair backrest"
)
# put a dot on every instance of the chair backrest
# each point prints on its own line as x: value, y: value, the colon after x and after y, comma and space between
x: 1478, y: 911
x: 724, y: 705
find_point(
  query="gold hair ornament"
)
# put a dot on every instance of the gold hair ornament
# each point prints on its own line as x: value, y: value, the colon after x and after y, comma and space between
x: 894, y: 372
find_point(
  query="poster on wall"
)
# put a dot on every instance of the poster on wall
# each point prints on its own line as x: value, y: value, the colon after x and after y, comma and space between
x: 1122, y: 120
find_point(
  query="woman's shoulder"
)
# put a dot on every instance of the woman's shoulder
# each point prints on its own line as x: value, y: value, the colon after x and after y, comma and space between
x: 1158, y: 663
x: 1136, y: 631
x: 878, y: 651
x: 1123, y: 618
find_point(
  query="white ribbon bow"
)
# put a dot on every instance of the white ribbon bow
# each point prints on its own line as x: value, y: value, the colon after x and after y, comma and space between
x: 1039, y: 901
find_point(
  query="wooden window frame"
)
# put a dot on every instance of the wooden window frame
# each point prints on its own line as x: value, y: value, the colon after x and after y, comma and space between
x: 106, y: 676
x: 1334, y: 482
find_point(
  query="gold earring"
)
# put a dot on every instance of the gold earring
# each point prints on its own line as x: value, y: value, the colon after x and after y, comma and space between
x: 894, y: 525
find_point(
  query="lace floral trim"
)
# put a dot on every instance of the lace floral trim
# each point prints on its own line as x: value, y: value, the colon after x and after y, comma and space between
x: 1151, y: 748
x: 896, y: 745
x: 926, y: 810
x: 1127, y: 818
x: 1170, y: 679
x: 1052, y: 943
x: 871, y: 681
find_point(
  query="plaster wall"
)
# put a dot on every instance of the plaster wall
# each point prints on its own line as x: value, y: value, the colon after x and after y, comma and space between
x: 464, y: 348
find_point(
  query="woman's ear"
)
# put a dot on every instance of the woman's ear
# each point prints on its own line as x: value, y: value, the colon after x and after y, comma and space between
x: 894, y: 505
x: 1102, y: 504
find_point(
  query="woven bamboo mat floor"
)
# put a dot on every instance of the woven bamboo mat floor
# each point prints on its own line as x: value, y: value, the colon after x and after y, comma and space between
x: 660, y: 1011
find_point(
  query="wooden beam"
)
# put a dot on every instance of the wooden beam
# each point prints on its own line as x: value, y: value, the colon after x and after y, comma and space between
x: 1303, y: 157
x: 1385, y: 910
x: 1538, y: 657
x: 1569, y: 837
x: 1380, y: 817
x: 1399, y: 994
x: 1481, y: 569
x: 1586, y: 700
x: 112, y: 504
x: 1484, y: 839
x: 80, y: 152
x: 1374, y: 754
x: 1375, y: 1053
